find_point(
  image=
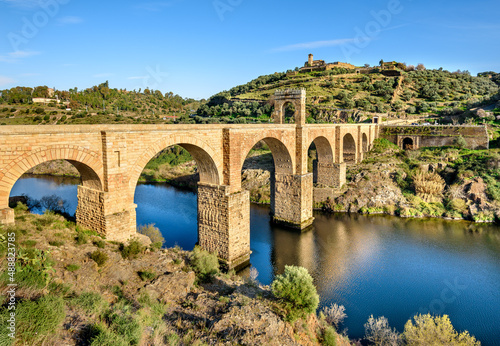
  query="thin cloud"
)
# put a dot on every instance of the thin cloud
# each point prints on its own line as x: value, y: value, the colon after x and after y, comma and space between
x: 68, y: 20
x: 15, y: 56
x: 314, y: 44
x: 6, y: 80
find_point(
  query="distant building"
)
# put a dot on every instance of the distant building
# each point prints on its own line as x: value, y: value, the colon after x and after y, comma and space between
x: 320, y: 65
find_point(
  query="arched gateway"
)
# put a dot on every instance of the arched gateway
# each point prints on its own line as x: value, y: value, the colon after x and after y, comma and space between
x: 110, y: 159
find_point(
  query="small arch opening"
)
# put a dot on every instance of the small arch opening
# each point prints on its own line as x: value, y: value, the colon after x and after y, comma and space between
x: 408, y: 144
x: 349, y: 152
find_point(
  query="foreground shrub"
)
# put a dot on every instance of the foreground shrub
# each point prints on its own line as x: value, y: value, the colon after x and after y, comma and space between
x: 429, y: 330
x: 131, y: 250
x: 205, y: 264
x: 296, y: 291
x: 146, y: 275
x: 378, y: 331
x: 99, y: 257
x: 334, y: 314
x: 153, y: 233
x: 35, y: 320
x: 90, y: 302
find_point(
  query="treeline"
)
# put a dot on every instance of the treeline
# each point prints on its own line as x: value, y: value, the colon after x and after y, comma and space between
x: 98, y: 97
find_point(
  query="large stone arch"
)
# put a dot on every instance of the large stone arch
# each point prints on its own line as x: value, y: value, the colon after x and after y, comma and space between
x: 349, y: 148
x: 207, y: 160
x: 283, y: 161
x: 87, y: 162
x: 324, y: 149
x: 297, y: 97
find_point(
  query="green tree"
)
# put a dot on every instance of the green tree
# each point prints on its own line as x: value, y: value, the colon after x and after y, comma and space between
x: 296, y: 291
x: 429, y: 330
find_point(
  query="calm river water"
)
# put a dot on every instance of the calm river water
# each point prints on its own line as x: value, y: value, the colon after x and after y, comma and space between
x: 385, y: 266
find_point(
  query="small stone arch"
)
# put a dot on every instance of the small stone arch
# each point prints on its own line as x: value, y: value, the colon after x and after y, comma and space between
x: 297, y: 97
x: 87, y: 162
x: 324, y: 161
x: 349, y: 148
x: 365, y: 146
x: 205, y: 157
x: 408, y: 143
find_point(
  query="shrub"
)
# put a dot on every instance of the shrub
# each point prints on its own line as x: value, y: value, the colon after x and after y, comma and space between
x: 329, y: 337
x: 127, y: 327
x: 429, y: 186
x: 35, y: 320
x: 72, y: 267
x: 153, y: 233
x: 81, y: 238
x: 334, y: 314
x: 460, y: 142
x: 99, y: 243
x: 296, y: 291
x: 131, y: 250
x: 90, y: 302
x: 205, y: 264
x: 429, y: 330
x: 378, y: 331
x: 100, y: 335
x: 146, y: 275
x: 99, y: 257
x: 56, y: 243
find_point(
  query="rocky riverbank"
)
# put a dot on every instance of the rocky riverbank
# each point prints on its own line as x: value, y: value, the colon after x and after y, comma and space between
x: 76, y: 288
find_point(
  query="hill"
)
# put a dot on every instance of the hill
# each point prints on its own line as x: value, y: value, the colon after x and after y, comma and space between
x: 342, y: 94
x: 96, y: 105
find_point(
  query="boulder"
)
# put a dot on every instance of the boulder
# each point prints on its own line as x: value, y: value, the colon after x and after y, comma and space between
x: 171, y: 286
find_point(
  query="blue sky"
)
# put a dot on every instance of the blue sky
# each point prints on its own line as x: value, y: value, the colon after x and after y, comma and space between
x: 198, y: 48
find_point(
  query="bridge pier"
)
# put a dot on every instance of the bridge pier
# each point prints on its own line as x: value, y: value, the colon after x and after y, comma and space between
x: 330, y: 174
x: 224, y: 224
x: 106, y: 213
x: 292, y: 200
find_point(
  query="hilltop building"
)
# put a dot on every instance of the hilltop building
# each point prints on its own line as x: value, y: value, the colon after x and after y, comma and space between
x: 320, y: 65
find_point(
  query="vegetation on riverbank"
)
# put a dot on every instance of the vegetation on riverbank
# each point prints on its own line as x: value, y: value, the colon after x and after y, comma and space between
x: 76, y: 288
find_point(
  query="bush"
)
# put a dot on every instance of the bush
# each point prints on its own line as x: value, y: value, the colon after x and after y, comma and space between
x: 153, y: 233
x: 378, y: 331
x: 90, y: 302
x: 131, y: 250
x: 460, y: 142
x: 429, y: 330
x: 99, y: 257
x: 81, y: 238
x: 334, y: 314
x: 146, y: 275
x: 296, y: 291
x: 99, y: 243
x: 205, y: 264
x: 35, y: 320
x: 429, y: 186
x: 100, y: 335
x: 329, y: 337
x: 72, y: 267
x: 127, y: 327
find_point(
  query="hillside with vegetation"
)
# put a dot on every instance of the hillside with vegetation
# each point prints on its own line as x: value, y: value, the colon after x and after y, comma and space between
x: 342, y: 95
x: 99, y: 104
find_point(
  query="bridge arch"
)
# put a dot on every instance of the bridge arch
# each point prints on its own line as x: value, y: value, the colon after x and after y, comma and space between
x: 349, y: 148
x: 87, y: 162
x: 283, y: 161
x: 324, y: 149
x: 207, y: 160
x: 365, y: 146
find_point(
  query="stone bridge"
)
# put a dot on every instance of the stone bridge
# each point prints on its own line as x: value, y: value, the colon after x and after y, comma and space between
x: 110, y: 159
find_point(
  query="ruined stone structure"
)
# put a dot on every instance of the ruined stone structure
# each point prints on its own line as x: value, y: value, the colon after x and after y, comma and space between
x: 110, y: 159
x: 321, y: 65
x: 414, y: 137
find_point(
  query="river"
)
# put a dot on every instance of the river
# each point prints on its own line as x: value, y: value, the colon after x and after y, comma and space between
x: 380, y: 265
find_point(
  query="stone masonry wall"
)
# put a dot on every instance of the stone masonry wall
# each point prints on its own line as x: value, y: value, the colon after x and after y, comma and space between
x: 90, y: 210
x: 293, y: 200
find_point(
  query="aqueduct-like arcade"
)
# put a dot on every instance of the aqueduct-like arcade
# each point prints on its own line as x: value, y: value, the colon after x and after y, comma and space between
x: 110, y: 159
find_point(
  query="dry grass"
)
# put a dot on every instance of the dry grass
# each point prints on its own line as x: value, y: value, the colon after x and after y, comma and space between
x: 429, y: 186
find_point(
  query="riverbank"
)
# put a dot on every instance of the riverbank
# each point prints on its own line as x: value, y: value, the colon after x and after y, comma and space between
x: 91, y: 291
x: 94, y: 292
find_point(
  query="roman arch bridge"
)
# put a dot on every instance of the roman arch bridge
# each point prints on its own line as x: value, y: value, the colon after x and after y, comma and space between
x: 110, y: 159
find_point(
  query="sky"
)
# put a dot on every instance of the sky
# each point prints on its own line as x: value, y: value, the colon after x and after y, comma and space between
x: 196, y: 48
